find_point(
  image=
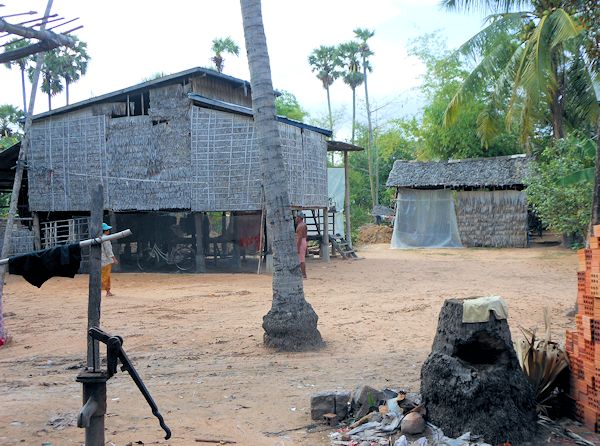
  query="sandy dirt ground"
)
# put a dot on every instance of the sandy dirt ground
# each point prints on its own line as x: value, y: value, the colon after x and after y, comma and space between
x: 197, y: 342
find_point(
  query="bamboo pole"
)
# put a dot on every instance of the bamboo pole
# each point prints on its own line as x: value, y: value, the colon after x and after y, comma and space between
x: 14, y: 199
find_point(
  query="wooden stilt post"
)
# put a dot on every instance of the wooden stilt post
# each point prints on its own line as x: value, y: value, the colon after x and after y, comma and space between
x: 347, y: 199
x: 37, y: 232
x: 325, y: 237
x: 200, y: 259
x: 235, y: 247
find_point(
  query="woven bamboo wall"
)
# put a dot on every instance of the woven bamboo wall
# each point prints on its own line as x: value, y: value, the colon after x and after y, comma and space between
x: 226, y: 164
x: 492, y: 218
x: 173, y: 158
x: 64, y: 154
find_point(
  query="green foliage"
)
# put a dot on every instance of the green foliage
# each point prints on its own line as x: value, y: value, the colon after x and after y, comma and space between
x: 325, y: 62
x: 222, y: 45
x: 445, y: 73
x: 564, y: 208
x: 72, y: 63
x: 154, y: 76
x: 15, y: 44
x: 396, y: 141
x: 350, y: 52
x: 287, y: 105
x: 9, y: 126
x: 532, y: 65
x: 50, y: 73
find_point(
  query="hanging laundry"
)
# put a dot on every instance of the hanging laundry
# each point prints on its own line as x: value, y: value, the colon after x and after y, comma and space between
x: 39, y: 266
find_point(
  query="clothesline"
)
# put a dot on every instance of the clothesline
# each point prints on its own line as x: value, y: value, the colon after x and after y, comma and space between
x: 97, y: 240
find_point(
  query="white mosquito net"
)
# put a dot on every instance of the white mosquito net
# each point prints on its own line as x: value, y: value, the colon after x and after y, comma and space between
x: 425, y: 219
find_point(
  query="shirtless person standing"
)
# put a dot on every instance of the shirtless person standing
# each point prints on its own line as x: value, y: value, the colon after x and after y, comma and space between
x: 301, y: 241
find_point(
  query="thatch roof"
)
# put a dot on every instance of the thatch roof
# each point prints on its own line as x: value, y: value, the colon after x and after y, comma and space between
x: 170, y: 79
x: 477, y: 172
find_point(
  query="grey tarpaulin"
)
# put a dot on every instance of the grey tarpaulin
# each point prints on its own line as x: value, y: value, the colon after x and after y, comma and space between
x: 425, y: 219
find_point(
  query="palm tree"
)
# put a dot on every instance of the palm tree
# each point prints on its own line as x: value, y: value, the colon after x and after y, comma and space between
x: 21, y: 63
x: 325, y: 61
x: 73, y: 63
x: 533, y: 65
x: 363, y: 35
x: 349, y: 53
x: 220, y: 46
x: 51, y: 78
x: 291, y: 323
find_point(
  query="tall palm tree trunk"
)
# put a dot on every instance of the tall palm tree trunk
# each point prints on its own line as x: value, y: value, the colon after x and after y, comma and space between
x: 330, y: 117
x: 49, y: 101
x: 67, y: 90
x: 353, y: 112
x: 371, y: 152
x: 291, y: 323
x: 329, y: 108
x: 23, y: 89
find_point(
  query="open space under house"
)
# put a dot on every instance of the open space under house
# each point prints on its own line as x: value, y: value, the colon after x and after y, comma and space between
x: 178, y: 159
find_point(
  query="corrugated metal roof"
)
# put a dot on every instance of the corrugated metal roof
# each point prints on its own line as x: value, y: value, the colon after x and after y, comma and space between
x: 240, y: 109
x: 476, y: 172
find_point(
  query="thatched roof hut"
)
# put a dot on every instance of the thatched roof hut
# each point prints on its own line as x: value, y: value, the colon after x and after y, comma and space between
x: 497, y: 172
x: 489, y: 207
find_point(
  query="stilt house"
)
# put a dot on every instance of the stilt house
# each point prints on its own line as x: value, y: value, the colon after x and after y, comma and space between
x: 179, y: 162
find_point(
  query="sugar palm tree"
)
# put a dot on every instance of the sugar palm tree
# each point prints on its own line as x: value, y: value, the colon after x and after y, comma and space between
x: 352, y: 76
x: 291, y: 323
x: 363, y: 36
x: 223, y: 45
x: 325, y: 62
x: 73, y: 63
x: 529, y: 62
x: 21, y: 63
x: 50, y: 72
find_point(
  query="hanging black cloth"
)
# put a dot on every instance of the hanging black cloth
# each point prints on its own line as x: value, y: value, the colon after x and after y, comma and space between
x: 39, y: 266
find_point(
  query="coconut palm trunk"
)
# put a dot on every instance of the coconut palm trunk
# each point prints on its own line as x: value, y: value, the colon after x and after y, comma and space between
x: 291, y: 323
x: 371, y: 150
x: 353, y: 112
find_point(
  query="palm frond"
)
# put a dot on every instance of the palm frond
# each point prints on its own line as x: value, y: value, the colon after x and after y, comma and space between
x: 501, y: 24
x: 487, y: 125
x: 563, y: 26
x: 484, y: 5
x: 487, y: 70
x: 581, y: 176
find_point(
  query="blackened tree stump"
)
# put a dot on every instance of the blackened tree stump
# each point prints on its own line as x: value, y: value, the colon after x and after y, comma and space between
x: 472, y: 381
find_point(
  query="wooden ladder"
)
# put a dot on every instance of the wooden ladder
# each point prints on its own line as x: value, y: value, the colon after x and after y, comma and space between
x: 343, y: 248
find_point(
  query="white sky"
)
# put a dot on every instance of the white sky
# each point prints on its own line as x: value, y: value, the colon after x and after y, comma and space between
x: 129, y: 40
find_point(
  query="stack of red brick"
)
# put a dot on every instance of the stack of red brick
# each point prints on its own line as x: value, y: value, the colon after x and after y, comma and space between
x: 583, y: 343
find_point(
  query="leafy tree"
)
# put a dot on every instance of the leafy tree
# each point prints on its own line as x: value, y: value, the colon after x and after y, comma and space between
x: 534, y: 61
x: 352, y: 76
x: 291, y: 323
x: 10, y: 117
x: 50, y: 72
x: 325, y: 61
x: 72, y: 63
x: 287, y: 105
x: 566, y: 208
x: 222, y: 45
x: 443, y: 77
x: 22, y: 63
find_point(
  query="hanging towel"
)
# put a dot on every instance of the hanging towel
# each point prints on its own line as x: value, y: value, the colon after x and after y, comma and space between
x: 39, y: 266
x: 478, y: 310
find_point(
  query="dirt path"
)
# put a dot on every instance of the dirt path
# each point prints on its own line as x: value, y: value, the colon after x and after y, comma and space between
x: 197, y: 341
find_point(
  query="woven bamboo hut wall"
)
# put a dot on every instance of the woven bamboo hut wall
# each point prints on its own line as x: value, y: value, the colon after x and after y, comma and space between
x: 492, y: 218
x: 167, y: 154
x: 491, y: 207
